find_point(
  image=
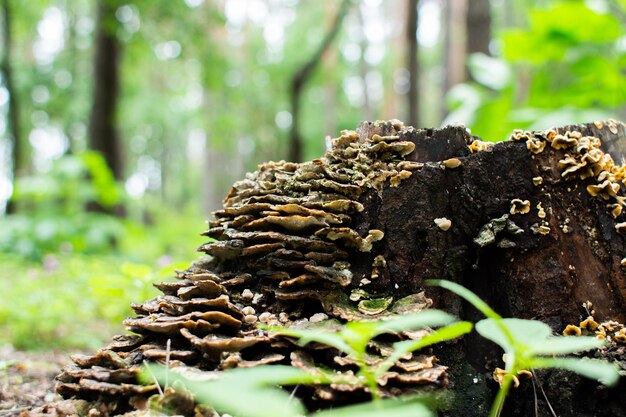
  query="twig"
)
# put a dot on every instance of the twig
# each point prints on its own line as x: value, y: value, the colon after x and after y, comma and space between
x: 546, y: 398
x: 13, y: 411
x: 154, y: 378
x: 293, y: 394
x: 168, y: 349
x: 535, y: 395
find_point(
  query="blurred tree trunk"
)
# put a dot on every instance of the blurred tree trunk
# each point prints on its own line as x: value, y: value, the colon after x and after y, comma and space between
x: 454, y: 44
x: 72, y: 67
x: 103, y: 134
x: 300, y: 79
x: 364, y: 67
x: 413, y: 118
x: 13, y: 112
x: 478, y: 26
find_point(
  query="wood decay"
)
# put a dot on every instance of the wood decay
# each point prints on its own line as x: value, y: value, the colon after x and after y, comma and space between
x: 353, y: 235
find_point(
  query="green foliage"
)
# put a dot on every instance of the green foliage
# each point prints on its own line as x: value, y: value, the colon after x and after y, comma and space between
x: 258, y: 395
x: 529, y: 344
x: 553, y: 72
x: 52, y: 214
x: 53, y: 217
x: 257, y: 387
x: 76, y: 272
x: 73, y: 301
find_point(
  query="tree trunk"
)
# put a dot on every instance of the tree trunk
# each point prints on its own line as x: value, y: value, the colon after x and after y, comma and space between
x: 13, y: 112
x: 103, y: 134
x: 528, y: 275
x: 478, y: 28
x: 413, y: 63
x: 454, y: 43
x: 302, y: 76
x: 367, y: 112
x: 274, y: 251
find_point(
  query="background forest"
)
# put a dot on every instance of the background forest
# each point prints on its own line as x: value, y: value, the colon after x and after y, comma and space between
x: 124, y: 122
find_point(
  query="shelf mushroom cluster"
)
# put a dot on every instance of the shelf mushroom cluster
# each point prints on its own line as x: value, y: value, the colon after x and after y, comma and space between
x: 583, y: 158
x: 280, y: 254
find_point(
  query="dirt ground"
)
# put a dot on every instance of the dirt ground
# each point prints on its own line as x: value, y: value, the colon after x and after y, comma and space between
x: 27, y: 379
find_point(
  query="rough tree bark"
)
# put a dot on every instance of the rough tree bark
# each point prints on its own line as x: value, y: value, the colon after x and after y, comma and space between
x: 103, y: 134
x: 13, y: 113
x: 531, y: 276
x: 413, y: 62
x: 301, y: 77
x: 298, y: 240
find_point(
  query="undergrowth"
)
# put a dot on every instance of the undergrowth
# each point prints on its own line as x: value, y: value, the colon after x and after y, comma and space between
x: 529, y: 345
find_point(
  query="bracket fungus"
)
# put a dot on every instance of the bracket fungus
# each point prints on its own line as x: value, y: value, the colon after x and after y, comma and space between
x: 350, y: 236
x: 519, y: 206
x: 451, y: 163
x: 283, y: 240
x: 443, y: 223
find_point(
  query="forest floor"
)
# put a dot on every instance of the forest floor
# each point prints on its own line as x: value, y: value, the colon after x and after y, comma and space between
x: 27, y: 379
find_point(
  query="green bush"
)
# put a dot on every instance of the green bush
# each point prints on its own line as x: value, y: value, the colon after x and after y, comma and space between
x: 52, y: 214
x: 76, y: 301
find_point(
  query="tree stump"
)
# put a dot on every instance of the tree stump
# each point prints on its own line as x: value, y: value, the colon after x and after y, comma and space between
x: 533, y: 226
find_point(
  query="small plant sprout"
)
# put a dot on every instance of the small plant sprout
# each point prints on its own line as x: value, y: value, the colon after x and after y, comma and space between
x: 530, y: 345
x: 354, y: 338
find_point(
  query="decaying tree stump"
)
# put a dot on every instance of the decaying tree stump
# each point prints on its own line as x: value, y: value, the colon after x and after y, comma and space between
x: 533, y: 225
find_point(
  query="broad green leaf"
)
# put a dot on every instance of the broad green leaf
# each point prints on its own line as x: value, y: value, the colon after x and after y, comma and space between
x: 253, y: 398
x: 358, y: 333
x: 384, y: 408
x: 602, y: 371
x: 563, y: 345
x: 464, y: 102
x: 306, y: 336
x: 491, y: 72
x: 424, y: 318
x: 273, y: 375
x: 469, y: 296
x: 524, y: 332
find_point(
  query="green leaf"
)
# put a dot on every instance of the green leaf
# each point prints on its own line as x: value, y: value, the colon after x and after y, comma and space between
x: 358, y: 333
x: 253, y: 398
x: 564, y: 344
x: 307, y: 336
x: 384, y: 408
x: 273, y: 375
x: 524, y: 332
x: 355, y: 335
x: 449, y: 332
x: 419, y: 320
x: 535, y: 336
x: 491, y: 72
x: 602, y: 371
